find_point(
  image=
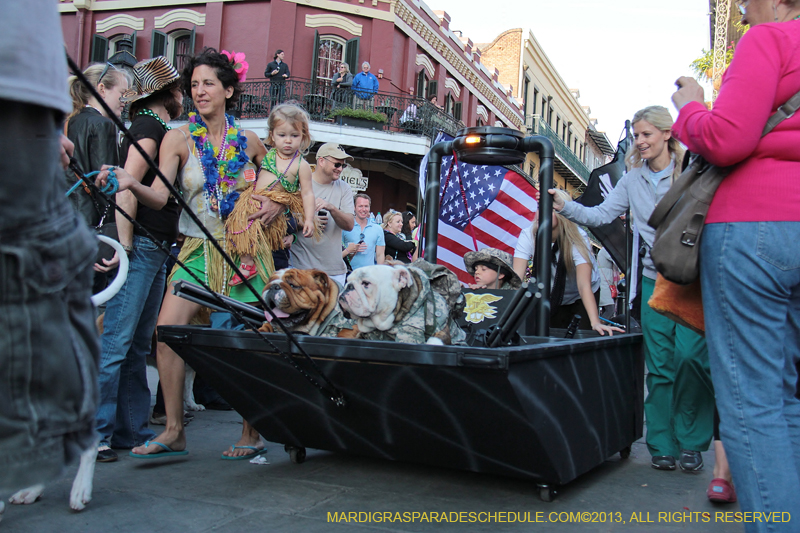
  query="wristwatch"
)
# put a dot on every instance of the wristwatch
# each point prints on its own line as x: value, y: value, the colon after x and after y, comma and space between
x: 128, y: 249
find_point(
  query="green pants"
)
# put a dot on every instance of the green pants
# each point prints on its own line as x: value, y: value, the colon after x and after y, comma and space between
x: 680, y: 402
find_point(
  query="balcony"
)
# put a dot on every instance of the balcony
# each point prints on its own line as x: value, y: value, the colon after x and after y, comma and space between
x: 404, y: 114
x: 566, y: 163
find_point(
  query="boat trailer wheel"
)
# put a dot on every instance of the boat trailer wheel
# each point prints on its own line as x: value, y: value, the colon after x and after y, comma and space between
x: 547, y: 493
x: 297, y: 454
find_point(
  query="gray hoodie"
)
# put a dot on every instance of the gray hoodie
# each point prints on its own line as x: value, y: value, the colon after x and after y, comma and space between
x: 634, y: 190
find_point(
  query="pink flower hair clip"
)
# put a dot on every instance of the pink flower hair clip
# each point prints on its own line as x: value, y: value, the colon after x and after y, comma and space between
x: 239, y: 64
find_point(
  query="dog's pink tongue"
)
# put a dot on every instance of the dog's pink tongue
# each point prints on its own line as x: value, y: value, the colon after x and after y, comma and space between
x: 277, y: 312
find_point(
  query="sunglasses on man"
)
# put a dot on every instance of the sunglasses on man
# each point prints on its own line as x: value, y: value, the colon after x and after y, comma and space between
x: 336, y: 165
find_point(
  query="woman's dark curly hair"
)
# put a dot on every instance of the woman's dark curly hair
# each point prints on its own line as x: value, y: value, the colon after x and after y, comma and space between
x: 221, y: 65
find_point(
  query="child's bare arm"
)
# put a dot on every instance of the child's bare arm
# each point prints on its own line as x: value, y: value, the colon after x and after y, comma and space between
x: 307, y: 193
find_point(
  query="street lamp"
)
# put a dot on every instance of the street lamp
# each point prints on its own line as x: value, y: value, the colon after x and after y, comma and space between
x: 498, y: 146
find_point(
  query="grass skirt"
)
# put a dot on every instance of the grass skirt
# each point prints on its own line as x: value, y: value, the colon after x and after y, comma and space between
x: 203, y: 260
x: 245, y: 236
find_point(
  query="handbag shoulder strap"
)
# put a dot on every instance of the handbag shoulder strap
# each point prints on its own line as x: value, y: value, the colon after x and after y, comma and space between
x: 785, y: 111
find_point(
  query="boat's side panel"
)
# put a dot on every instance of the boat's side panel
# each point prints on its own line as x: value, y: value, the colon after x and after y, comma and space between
x: 542, y: 415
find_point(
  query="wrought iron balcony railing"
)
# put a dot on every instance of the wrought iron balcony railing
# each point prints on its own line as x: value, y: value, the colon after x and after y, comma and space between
x: 403, y: 113
x: 572, y: 161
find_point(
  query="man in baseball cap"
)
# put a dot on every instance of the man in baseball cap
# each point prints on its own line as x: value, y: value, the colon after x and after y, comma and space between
x: 335, y: 210
x: 333, y: 151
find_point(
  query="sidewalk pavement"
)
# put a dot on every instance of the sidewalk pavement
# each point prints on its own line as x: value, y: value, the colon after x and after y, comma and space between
x: 201, y: 492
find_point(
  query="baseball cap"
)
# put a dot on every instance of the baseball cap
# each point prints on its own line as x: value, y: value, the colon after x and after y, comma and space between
x: 333, y: 150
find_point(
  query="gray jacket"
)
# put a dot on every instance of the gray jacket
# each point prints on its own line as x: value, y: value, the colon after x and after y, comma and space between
x: 634, y: 190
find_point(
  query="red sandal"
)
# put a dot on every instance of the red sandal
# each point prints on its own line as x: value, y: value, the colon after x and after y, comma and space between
x: 248, y: 270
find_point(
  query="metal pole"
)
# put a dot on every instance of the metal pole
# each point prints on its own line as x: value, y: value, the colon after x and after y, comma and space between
x: 432, y: 198
x: 544, y: 237
x: 628, y: 238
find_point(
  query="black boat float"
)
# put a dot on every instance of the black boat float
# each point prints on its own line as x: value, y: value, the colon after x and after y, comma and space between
x: 533, y: 405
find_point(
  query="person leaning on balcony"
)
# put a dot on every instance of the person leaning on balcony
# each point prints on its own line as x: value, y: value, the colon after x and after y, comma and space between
x: 342, y: 82
x: 680, y: 403
x: 365, y: 85
x: 750, y: 254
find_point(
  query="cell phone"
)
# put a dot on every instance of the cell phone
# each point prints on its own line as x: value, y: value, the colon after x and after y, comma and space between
x: 322, y: 213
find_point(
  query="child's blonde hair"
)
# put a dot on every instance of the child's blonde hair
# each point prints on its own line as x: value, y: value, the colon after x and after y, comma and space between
x: 567, y: 235
x: 296, y: 117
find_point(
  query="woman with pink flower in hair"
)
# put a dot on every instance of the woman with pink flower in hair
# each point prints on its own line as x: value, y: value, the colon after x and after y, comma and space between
x: 214, y: 162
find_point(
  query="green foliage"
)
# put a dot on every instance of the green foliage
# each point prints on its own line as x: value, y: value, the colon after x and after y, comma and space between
x: 358, y: 113
x: 703, y: 65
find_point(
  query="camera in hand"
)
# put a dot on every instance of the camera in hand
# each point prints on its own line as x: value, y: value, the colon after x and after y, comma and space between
x: 322, y: 213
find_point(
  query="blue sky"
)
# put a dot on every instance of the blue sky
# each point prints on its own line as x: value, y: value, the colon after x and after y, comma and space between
x: 623, y: 56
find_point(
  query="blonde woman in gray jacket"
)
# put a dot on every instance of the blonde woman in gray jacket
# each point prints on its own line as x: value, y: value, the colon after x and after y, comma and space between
x: 680, y: 402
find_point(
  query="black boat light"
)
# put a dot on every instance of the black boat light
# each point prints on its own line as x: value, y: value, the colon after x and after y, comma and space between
x: 489, y: 145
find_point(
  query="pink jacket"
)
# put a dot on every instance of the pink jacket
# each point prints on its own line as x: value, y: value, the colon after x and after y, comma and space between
x: 764, y: 74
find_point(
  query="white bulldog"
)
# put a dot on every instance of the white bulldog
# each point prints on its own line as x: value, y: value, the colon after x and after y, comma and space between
x: 397, y: 304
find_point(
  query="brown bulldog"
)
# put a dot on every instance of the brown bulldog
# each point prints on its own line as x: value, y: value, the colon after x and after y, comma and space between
x: 306, y: 301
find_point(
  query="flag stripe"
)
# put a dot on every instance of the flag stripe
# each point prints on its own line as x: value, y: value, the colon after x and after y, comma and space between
x: 499, y: 204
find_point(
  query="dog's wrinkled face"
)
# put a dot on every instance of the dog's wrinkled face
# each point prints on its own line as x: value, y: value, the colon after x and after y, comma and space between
x: 300, y: 298
x: 371, y: 293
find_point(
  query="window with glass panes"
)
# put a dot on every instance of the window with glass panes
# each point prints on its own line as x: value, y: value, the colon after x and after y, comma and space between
x: 329, y: 57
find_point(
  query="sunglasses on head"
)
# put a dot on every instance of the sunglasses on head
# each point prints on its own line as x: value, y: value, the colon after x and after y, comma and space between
x: 336, y: 165
x: 105, y: 71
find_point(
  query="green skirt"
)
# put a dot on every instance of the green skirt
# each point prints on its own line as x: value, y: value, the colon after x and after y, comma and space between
x: 196, y: 264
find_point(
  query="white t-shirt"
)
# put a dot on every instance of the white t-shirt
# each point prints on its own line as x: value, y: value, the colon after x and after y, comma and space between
x: 526, y: 247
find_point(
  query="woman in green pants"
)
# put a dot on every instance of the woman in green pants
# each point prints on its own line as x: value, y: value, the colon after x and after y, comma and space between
x: 680, y: 403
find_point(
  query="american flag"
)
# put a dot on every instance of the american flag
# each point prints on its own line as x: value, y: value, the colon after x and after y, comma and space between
x: 499, y: 204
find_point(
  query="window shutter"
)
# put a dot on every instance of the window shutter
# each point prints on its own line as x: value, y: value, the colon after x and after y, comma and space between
x: 457, y: 111
x: 133, y: 43
x: 192, y: 40
x: 158, y: 44
x: 99, y: 49
x: 351, y: 55
x: 314, y: 61
x: 433, y: 88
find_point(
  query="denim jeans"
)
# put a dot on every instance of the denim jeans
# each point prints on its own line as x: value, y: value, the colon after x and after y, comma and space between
x: 750, y: 274
x: 48, y: 344
x: 124, y: 407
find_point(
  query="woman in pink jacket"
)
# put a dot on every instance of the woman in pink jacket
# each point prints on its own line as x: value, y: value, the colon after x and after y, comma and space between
x: 750, y: 255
